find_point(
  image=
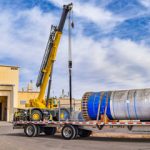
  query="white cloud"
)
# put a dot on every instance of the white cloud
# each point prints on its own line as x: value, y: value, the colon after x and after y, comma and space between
x: 97, y: 65
x: 145, y: 3
x: 24, y: 34
x: 94, y: 69
x: 105, y: 19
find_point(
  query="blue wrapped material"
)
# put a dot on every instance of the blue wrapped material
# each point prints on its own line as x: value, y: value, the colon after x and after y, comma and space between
x: 93, y: 102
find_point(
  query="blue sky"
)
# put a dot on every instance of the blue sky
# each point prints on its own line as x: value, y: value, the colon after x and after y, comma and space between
x: 111, y: 46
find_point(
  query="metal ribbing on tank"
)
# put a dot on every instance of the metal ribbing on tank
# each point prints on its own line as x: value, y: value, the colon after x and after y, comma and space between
x: 84, y: 106
x: 77, y: 116
x: 122, y: 105
x: 131, y: 104
x: 119, y: 104
x: 107, y: 107
x: 91, y: 102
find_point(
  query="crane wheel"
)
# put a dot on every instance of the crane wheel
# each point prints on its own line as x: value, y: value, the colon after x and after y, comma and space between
x: 50, y: 130
x: 36, y: 115
x: 30, y: 130
x: 68, y: 132
x: 84, y: 133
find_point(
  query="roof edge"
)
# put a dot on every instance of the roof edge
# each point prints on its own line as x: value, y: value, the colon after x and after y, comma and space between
x: 28, y: 92
x: 7, y: 85
x: 1, y: 65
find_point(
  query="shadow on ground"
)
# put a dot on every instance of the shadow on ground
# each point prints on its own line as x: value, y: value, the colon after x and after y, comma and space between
x: 92, y: 138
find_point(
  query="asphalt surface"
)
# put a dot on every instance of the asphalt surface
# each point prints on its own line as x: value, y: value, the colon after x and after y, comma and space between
x: 16, y: 140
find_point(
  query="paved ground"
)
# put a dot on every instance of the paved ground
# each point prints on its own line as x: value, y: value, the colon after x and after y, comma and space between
x: 16, y: 140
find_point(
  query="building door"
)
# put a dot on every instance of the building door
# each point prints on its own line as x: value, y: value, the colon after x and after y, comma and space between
x: 0, y: 111
x: 3, y: 108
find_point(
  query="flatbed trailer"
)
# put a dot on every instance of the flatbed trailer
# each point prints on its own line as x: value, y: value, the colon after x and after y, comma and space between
x: 71, y: 129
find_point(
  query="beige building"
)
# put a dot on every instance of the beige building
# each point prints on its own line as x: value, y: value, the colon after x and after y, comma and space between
x: 9, y: 80
x: 25, y: 96
x: 65, y: 102
x: 10, y: 98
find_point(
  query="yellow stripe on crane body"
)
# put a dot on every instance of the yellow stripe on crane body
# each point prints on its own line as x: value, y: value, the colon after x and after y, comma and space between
x: 48, y: 68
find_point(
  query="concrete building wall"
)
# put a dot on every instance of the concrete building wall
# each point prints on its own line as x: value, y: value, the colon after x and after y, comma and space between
x: 9, y: 80
x: 9, y: 75
x: 25, y: 96
x: 65, y: 102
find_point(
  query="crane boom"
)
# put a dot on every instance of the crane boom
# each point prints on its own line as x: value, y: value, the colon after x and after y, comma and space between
x: 49, y: 58
x: 52, y: 51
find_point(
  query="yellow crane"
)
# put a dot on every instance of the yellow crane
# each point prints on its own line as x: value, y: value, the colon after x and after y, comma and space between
x: 39, y: 107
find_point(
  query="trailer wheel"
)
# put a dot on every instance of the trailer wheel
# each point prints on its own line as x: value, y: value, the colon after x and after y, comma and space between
x: 76, y: 132
x: 130, y: 127
x: 50, y: 130
x: 36, y: 115
x: 84, y: 133
x: 38, y: 130
x: 30, y: 130
x: 68, y: 132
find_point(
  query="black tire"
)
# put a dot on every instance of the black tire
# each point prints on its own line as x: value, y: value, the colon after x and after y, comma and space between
x: 38, y: 130
x: 68, y: 132
x: 84, y: 133
x: 30, y: 130
x: 130, y: 127
x: 38, y: 115
x: 50, y: 130
x: 76, y: 132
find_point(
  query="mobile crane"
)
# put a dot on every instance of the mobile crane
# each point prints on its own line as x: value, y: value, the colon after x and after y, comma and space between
x: 39, y: 108
x: 99, y: 109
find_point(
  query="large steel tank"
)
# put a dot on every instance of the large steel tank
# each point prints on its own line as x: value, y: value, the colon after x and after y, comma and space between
x: 118, y: 105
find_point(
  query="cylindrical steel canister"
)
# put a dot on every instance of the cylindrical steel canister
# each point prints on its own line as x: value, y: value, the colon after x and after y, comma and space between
x: 77, y: 116
x: 117, y: 105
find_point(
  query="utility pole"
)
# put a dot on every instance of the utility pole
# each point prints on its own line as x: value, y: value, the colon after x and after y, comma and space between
x: 70, y: 60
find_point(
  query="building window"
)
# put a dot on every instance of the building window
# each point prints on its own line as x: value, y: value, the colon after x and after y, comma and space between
x: 14, y: 68
x: 22, y: 102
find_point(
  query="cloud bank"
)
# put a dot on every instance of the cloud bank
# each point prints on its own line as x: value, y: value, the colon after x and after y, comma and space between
x: 105, y: 55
